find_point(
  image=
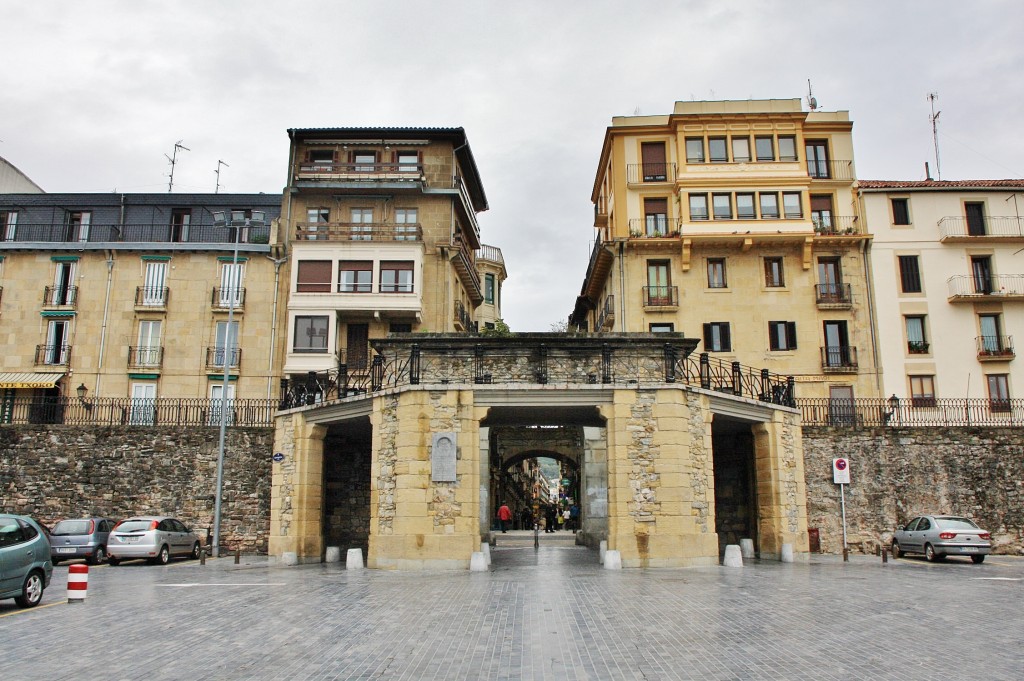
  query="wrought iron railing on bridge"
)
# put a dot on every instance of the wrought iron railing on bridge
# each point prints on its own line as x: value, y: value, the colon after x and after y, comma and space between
x: 126, y: 411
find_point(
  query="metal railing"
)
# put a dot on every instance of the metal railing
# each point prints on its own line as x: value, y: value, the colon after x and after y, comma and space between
x: 462, y: 317
x: 661, y: 296
x: 109, y: 233
x: 220, y: 298
x: 996, y: 226
x: 650, y: 172
x: 838, y: 358
x: 910, y: 412
x: 833, y: 295
x: 917, y: 347
x: 145, y: 357
x: 737, y: 379
x: 60, y: 296
x: 968, y: 286
x: 654, y: 227
x: 358, y: 231
x: 995, y: 347
x: 607, y: 316
x: 364, y: 172
x: 491, y: 253
x: 836, y: 225
x: 56, y: 355
x: 151, y: 296
x: 125, y: 411
x: 829, y: 170
x: 215, y: 357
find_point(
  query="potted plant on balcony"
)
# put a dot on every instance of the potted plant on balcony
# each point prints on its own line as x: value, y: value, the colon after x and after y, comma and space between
x: 917, y: 347
x: 635, y: 233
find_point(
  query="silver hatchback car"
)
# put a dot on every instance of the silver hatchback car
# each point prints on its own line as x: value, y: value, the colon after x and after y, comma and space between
x: 938, y: 536
x: 80, y: 538
x: 155, y: 538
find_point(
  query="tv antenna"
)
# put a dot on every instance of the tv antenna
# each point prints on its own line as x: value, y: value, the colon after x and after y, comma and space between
x: 812, y: 103
x: 173, y: 159
x: 219, y: 164
x: 934, y: 118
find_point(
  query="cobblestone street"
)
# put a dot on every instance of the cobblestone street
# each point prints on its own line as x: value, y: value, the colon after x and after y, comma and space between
x: 551, y: 613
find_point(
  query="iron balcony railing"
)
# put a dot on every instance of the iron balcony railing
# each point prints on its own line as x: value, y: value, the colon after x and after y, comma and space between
x: 835, y: 225
x: 57, y: 355
x: 833, y: 295
x: 917, y: 347
x: 462, y: 317
x: 491, y: 253
x: 125, y: 411
x: 607, y: 316
x: 968, y: 286
x: 661, y: 296
x: 838, y: 358
x: 654, y: 227
x: 222, y: 298
x: 216, y: 356
x: 925, y: 411
x: 151, y: 296
x: 650, y: 172
x: 140, y: 357
x: 360, y: 172
x: 995, y: 347
x: 111, y: 233
x: 60, y: 296
x: 953, y: 226
x: 829, y: 170
x: 358, y: 231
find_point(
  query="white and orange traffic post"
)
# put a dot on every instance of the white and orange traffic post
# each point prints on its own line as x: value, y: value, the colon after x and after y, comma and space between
x: 78, y: 582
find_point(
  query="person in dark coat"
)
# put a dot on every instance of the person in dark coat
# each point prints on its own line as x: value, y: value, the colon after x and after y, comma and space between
x: 550, y: 518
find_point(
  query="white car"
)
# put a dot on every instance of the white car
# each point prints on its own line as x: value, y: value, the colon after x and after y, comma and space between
x: 156, y: 538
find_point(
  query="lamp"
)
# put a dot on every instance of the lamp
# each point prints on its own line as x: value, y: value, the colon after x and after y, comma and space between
x: 82, y: 392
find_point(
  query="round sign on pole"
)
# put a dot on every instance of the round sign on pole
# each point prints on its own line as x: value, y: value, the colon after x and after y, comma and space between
x: 841, y: 471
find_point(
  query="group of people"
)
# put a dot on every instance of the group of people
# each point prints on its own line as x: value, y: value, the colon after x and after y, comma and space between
x: 550, y: 518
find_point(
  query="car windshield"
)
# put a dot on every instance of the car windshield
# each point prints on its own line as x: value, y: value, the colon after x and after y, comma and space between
x: 66, y: 527
x: 135, y: 525
x: 956, y: 524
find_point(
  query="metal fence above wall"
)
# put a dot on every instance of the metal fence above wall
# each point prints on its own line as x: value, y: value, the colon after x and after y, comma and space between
x: 908, y: 412
x: 125, y: 411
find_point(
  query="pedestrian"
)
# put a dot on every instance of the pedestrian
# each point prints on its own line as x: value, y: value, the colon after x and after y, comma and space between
x: 565, y: 519
x: 526, y: 518
x: 504, y: 515
x: 550, y: 515
x: 574, y: 517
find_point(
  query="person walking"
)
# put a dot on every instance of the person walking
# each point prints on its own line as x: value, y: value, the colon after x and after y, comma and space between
x: 574, y: 518
x: 504, y: 515
x: 550, y: 514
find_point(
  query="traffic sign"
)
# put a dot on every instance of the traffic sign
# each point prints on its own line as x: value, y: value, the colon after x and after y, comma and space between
x: 278, y: 457
x: 841, y: 471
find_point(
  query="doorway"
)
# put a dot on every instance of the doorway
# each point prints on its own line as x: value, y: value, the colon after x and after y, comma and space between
x: 736, y: 515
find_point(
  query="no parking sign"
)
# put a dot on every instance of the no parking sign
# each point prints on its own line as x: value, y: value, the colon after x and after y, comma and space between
x: 841, y: 471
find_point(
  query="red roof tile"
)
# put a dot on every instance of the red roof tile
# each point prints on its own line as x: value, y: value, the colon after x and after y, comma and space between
x: 940, y: 184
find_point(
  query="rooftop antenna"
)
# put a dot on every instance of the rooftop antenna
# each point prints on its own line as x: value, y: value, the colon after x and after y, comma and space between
x: 174, y: 159
x: 934, y: 118
x: 811, y: 101
x: 219, y: 164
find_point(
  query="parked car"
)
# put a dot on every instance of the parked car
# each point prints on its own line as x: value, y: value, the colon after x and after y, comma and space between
x: 80, y: 538
x: 156, y: 538
x: 25, y: 567
x: 938, y: 536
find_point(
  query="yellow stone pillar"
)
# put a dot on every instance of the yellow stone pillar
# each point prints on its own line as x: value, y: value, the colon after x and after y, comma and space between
x: 296, y: 497
x: 781, y: 486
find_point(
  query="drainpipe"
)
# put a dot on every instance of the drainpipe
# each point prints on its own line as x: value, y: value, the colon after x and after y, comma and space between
x: 869, y: 281
x: 273, y: 321
x: 106, y: 311
x: 622, y: 286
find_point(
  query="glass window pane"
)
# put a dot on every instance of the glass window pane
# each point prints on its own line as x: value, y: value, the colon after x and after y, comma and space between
x: 698, y: 206
x: 765, y: 149
x: 717, y: 149
x: 740, y: 149
x: 694, y: 150
x: 745, y: 206
x: 769, y: 205
x: 792, y: 205
x: 723, y: 206
x: 787, y: 148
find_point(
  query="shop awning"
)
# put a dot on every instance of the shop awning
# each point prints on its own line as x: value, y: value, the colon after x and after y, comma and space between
x: 28, y: 379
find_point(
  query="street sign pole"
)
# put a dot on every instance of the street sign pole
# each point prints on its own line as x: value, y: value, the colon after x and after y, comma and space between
x: 842, y: 497
x: 841, y: 477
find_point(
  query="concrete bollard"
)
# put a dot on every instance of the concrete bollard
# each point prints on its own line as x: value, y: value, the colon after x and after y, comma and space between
x: 477, y: 563
x: 202, y: 556
x: 747, y: 548
x: 846, y: 555
x: 78, y: 583
x: 354, y: 559
x: 787, y: 553
x: 333, y: 554
x: 290, y: 558
x: 612, y: 560
x: 885, y: 555
x: 485, y: 548
x: 602, y: 551
x: 238, y: 556
x: 733, y: 557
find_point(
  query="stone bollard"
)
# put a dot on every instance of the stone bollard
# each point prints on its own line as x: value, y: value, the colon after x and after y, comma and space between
x: 485, y: 548
x: 354, y: 559
x: 733, y: 557
x: 612, y: 560
x: 202, y: 556
x: 747, y: 548
x: 477, y: 563
x: 602, y: 551
x: 846, y: 555
x: 787, y: 553
x: 885, y: 555
x: 333, y: 554
x: 238, y: 556
x: 290, y: 558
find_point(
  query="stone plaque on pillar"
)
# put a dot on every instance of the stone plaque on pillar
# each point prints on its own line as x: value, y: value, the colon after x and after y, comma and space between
x: 442, y: 458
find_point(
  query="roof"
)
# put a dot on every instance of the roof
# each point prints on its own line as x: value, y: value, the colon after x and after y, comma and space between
x: 940, y: 184
x: 86, y: 200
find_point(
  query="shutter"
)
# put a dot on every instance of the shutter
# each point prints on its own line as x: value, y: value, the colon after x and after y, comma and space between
x: 708, y: 346
x: 791, y: 335
x: 314, y: 276
x: 726, y: 340
x: 819, y: 202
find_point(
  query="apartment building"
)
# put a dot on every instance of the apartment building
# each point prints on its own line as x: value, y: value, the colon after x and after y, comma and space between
x: 948, y: 286
x: 736, y: 222
x: 490, y: 265
x: 129, y: 296
x: 383, y: 239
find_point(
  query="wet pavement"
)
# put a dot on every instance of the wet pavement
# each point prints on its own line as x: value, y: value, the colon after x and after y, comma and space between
x: 551, y: 613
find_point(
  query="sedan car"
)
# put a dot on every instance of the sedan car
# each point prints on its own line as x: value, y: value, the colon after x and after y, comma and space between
x: 81, y: 538
x: 155, y: 538
x: 938, y: 536
x: 25, y: 566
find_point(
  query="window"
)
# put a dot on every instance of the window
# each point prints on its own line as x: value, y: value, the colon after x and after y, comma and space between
x: 745, y: 207
x: 313, y: 276
x: 922, y: 391
x: 8, y: 224
x: 765, y: 148
x: 787, y: 148
x: 838, y: 352
x: 917, y: 344
x: 364, y: 161
x: 64, y: 289
x: 716, y: 337
x: 355, y: 276
x: 659, y: 290
x: 406, y: 224
x: 792, y: 205
x: 782, y: 336
x: 154, y: 282
x: 830, y: 280
x: 998, y: 392
x: 489, y: 289
x: 981, y: 270
x: 662, y: 328
x: 310, y: 333
x: 357, y: 350
x: 181, y: 219
x: 817, y: 158
x: 408, y: 161
x: 821, y: 212
x: 910, y: 274
x: 147, y: 352
x: 217, y: 398
x: 741, y: 149
x: 56, y: 350
x: 718, y: 149
x: 231, y: 284
x: 652, y: 156
x: 722, y: 204
x: 975, y: 212
x: 143, y: 404
x: 320, y: 157
x: 773, y: 273
x: 698, y: 206
x: 694, y: 149
x: 226, y: 345
x: 655, y: 217
x: 716, y: 273
x: 362, y: 227
x: 77, y: 228
x: 900, y: 211
x: 769, y: 205
x: 396, y: 276
x: 399, y: 327
x: 991, y: 342
x: 318, y: 215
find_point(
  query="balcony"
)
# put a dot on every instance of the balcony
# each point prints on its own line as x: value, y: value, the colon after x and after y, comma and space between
x: 53, y: 355
x: 999, y: 287
x: 151, y: 297
x: 606, y: 319
x: 362, y: 231
x: 917, y: 347
x: 461, y: 317
x: 225, y: 298
x: 637, y: 173
x: 833, y: 296
x: 81, y: 236
x: 215, y: 357
x: 841, y: 171
x: 836, y: 225
x: 661, y: 297
x: 995, y: 348
x: 839, y: 359
x: 958, y: 229
x: 60, y: 297
x: 653, y: 227
x: 491, y: 254
x: 464, y: 262
x: 359, y: 172
x: 145, y: 357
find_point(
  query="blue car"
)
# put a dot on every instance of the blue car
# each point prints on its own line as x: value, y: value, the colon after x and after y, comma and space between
x: 25, y: 566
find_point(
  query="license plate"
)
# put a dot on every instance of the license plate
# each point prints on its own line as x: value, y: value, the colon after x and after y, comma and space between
x: 968, y: 549
x: 66, y: 550
x: 130, y: 540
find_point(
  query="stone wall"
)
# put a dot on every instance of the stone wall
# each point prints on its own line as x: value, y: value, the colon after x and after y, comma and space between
x: 54, y: 472
x: 897, y: 473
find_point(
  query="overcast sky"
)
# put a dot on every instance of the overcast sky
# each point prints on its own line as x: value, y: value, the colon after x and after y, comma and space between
x: 96, y: 93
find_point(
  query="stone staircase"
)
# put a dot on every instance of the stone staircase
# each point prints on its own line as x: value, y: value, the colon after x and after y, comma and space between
x: 519, y: 538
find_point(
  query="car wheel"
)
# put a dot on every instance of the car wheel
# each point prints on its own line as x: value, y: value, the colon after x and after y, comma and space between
x: 930, y: 554
x: 163, y: 557
x: 98, y: 557
x: 31, y: 591
x: 113, y: 560
x: 896, y: 553
x: 195, y: 551
x: 978, y: 559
